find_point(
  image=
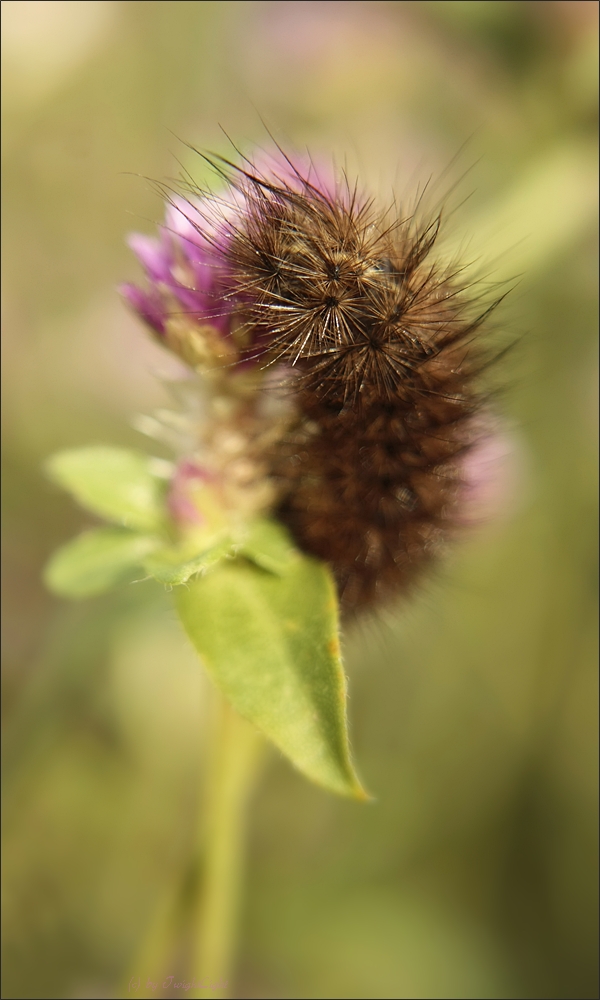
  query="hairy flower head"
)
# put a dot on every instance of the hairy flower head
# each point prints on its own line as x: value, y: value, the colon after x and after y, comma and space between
x: 373, y: 342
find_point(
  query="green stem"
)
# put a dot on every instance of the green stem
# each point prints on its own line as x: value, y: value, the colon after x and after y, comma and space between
x: 229, y: 783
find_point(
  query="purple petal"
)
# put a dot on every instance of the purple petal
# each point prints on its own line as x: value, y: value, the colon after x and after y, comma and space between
x: 184, y: 219
x: 154, y: 255
x: 204, y: 225
x: 148, y: 306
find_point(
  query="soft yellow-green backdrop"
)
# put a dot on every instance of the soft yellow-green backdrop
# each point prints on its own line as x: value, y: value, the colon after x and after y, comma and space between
x: 473, y: 707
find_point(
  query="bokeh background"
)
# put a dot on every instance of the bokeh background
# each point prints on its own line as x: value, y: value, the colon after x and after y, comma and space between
x: 473, y: 708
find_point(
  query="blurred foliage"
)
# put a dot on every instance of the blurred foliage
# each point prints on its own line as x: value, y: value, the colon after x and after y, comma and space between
x: 472, y: 707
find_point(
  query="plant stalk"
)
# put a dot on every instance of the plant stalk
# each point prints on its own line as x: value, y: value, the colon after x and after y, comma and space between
x: 230, y: 780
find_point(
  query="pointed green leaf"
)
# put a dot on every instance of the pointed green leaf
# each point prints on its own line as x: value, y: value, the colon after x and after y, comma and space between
x: 113, y: 482
x: 269, y: 545
x: 96, y: 561
x: 271, y: 644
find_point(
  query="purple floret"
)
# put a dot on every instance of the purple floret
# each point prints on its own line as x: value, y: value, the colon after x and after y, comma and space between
x: 185, y: 269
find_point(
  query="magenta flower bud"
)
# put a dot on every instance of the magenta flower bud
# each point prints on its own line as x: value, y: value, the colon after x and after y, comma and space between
x: 185, y: 303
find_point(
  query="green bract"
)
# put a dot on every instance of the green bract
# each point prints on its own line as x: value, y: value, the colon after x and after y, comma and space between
x: 262, y: 615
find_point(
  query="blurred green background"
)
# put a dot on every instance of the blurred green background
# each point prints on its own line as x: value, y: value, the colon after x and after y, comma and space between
x: 473, y: 708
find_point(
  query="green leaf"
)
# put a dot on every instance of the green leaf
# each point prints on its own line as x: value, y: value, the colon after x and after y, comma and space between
x: 270, y: 546
x: 173, y: 566
x: 271, y: 644
x: 96, y: 561
x: 115, y: 483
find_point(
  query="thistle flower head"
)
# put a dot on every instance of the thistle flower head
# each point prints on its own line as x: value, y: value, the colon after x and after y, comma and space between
x: 290, y: 271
